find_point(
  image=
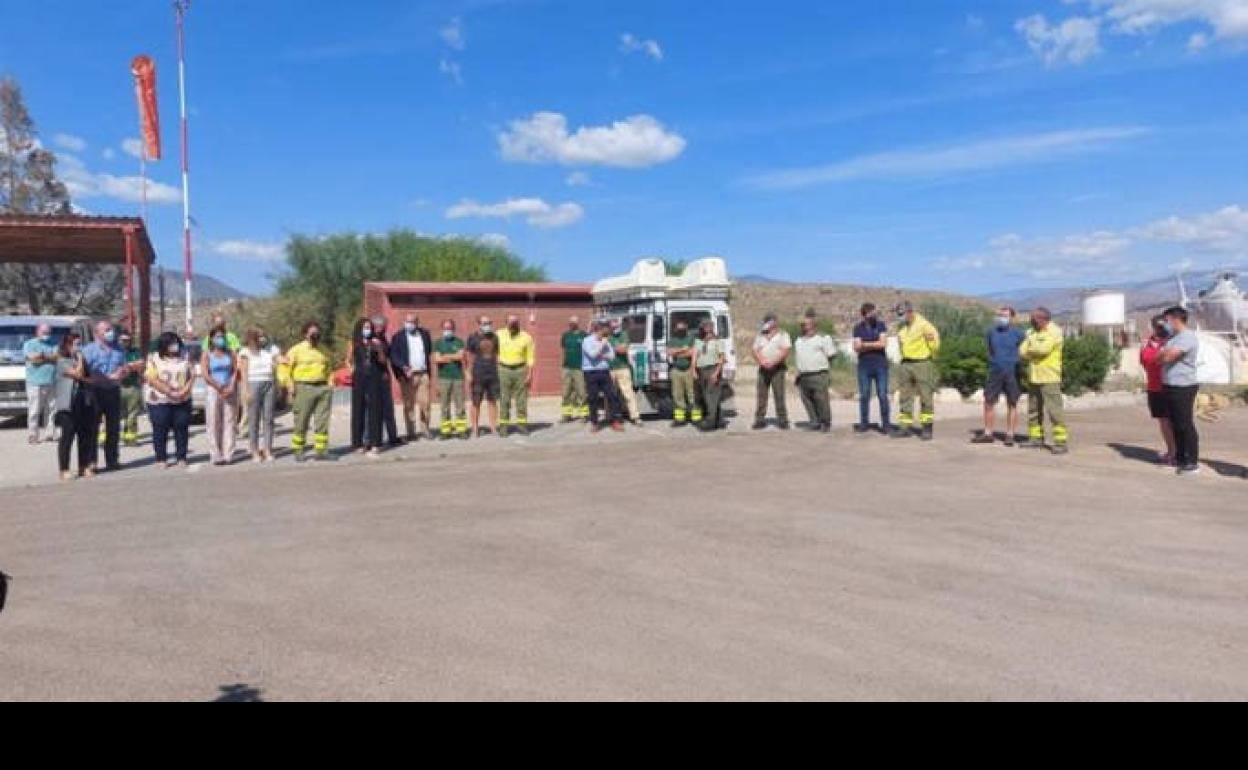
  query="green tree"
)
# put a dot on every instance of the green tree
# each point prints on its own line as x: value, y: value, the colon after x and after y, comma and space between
x: 1086, y: 362
x: 326, y: 275
x: 955, y: 321
x: 29, y: 185
x: 963, y: 363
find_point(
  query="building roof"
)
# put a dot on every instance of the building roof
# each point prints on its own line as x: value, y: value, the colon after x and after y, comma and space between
x: 523, y: 290
x: 72, y: 238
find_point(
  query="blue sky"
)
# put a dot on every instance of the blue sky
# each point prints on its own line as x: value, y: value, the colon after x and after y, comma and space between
x: 964, y: 145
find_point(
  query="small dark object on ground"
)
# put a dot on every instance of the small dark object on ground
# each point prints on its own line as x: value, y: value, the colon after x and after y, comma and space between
x: 4, y: 589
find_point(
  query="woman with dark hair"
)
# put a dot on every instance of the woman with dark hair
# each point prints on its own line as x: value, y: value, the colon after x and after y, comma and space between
x: 1158, y: 404
x: 369, y: 381
x: 169, y: 379
x: 220, y: 368
x: 259, y: 358
x: 73, y: 412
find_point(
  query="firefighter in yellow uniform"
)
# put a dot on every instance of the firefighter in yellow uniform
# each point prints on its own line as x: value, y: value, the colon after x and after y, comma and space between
x: 1042, y: 352
x: 517, y: 355
x: 313, y: 393
x: 920, y: 342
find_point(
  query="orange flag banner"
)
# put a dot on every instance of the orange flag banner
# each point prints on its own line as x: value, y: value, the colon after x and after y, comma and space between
x: 144, y: 70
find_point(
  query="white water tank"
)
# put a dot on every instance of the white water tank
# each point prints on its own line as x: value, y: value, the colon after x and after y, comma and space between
x: 1105, y: 308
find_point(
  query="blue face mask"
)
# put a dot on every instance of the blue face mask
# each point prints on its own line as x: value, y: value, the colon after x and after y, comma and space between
x: 110, y: 336
x: 367, y: 334
x: 45, y: 338
x: 219, y: 343
x: 1167, y: 329
x: 1003, y: 323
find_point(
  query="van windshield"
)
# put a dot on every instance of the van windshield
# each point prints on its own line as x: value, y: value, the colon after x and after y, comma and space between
x: 691, y: 318
x: 12, y: 338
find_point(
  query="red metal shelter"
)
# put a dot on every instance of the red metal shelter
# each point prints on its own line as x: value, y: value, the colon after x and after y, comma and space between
x: 544, y: 309
x: 87, y: 240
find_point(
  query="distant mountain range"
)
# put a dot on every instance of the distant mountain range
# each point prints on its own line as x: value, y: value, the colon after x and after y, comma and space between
x: 1141, y: 295
x: 206, y: 289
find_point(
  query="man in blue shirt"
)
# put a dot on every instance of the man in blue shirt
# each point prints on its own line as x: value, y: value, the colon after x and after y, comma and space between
x: 40, y: 355
x: 597, y: 354
x: 106, y: 369
x: 1004, y: 341
x: 871, y: 345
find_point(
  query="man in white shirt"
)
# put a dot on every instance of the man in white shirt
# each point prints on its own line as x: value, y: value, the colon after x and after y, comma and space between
x: 771, y: 352
x: 410, y: 352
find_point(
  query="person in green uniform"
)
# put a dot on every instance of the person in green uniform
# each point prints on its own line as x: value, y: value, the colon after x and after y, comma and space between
x: 684, y: 380
x: 448, y: 358
x: 575, y: 403
x: 622, y: 371
x: 131, y: 390
x: 709, y: 358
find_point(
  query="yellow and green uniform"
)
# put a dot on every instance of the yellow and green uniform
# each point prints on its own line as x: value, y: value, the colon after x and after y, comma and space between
x: 451, y: 385
x: 575, y: 400
x: 684, y: 381
x: 310, y: 370
x: 920, y: 342
x: 131, y: 392
x: 517, y: 354
x: 1041, y: 351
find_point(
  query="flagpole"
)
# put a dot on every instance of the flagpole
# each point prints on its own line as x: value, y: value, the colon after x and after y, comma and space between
x: 180, y: 8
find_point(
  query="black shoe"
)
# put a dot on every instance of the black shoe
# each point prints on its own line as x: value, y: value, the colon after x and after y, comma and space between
x: 760, y: 425
x: 984, y: 438
x: 827, y: 427
x: 928, y: 433
x: 862, y: 428
x: 901, y: 433
x: 785, y: 425
x: 679, y: 424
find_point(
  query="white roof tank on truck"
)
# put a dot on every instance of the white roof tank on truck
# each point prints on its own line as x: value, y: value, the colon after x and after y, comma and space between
x: 707, y: 278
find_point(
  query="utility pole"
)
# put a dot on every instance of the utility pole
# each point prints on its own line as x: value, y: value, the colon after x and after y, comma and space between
x: 180, y: 7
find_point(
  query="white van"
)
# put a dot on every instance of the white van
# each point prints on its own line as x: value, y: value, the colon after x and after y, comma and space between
x: 650, y: 303
x: 15, y: 331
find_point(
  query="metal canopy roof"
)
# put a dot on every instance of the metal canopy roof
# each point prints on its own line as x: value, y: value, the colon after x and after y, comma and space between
x: 70, y: 239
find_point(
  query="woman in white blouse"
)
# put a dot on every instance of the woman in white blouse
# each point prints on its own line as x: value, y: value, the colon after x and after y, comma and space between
x: 259, y: 359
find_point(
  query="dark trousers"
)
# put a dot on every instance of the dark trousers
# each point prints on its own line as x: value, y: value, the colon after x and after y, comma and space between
x: 176, y: 419
x: 813, y: 387
x: 712, y: 396
x: 75, y: 425
x: 877, y: 377
x: 108, y: 404
x: 367, y: 411
x: 387, y: 412
x: 771, y: 380
x: 599, y: 388
x: 1182, y: 402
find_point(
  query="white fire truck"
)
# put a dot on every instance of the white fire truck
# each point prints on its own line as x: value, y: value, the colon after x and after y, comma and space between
x: 649, y: 303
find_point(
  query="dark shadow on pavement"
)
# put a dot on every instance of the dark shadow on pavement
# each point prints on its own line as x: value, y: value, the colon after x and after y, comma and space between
x: 4, y: 590
x: 1229, y: 470
x: 1137, y: 453
x: 239, y: 693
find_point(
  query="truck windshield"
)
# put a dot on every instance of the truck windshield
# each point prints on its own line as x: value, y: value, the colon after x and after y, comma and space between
x: 691, y: 318
x: 12, y: 338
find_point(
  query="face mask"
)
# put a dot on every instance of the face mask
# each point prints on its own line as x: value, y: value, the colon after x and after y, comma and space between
x: 315, y: 337
x: 1003, y: 322
x: 173, y: 350
x: 1167, y: 329
x: 219, y: 343
x: 410, y: 328
x: 264, y: 342
x: 110, y: 336
x: 366, y: 334
x: 45, y: 338
x: 514, y: 327
x: 487, y: 328
x: 681, y: 331
x: 870, y: 320
x: 448, y: 334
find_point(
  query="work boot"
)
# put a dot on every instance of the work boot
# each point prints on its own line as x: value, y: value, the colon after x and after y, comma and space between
x: 523, y: 430
x: 928, y: 433
x: 502, y: 431
x: 679, y: 423
x: 901, y: 433
x: 760, y: 425
x: 1061, y: 449
x: 785, y: 425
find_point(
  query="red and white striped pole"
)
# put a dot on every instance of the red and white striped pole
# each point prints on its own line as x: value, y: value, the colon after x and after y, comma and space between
x: 180, y: 8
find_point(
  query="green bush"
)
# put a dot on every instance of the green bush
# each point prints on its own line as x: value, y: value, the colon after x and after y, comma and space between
x: 963, y: 363
x: 1086, y: 362
x: 955, y: 322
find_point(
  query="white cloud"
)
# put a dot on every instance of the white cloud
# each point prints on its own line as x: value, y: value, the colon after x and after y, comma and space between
x: 952, y: 160
x: 108, y: 153
x: 1227, y: 18
x: 452, y: 70
x: 635, y: 142
x: 256, y: 251
x: 535, y: 211
x: 85, y: 184
x: 453, y: 34
x: 497, y: 240
x: 70, y: 142
x: 630, y: 43
x: 1077, y: 39
x: 1224, y: 231
x: 1074, y: 41
x: 578, y: 179
x: 1110, y: 253
x: 132, y: 147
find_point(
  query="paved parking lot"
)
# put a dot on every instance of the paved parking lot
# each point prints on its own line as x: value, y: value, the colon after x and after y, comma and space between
x: 656, y: 565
